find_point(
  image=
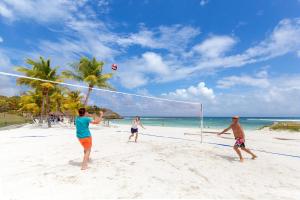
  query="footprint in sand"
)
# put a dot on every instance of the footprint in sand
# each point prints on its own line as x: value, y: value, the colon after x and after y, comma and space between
x: 194, y: 171
x: 66, y: 179
x: 132, y: 163
x: 157, y: 179
x: 137, y: 195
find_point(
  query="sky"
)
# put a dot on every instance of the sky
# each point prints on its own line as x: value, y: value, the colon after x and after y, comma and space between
x: 236, y: 57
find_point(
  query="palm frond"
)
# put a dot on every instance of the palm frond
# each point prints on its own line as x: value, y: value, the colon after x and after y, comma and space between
x: 71, y: 75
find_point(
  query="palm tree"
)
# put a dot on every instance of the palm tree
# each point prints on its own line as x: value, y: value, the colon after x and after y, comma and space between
x: 30, y: 103
x: 72, y: 102
x: 57, y: 99
x: 90, y: 72
x: 40, y: 69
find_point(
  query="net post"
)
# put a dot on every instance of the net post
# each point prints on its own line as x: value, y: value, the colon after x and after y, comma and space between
x: 201, y: 123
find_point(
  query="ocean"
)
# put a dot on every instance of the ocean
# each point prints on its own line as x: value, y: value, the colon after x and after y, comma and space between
x: 250, y: 123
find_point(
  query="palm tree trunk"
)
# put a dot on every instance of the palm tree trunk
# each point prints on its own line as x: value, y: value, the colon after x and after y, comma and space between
x: 42, y: 109
x: 88, y: 95
x: 48, y: 108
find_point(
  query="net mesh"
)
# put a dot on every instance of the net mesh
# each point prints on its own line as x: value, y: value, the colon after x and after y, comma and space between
x: 158, y: 110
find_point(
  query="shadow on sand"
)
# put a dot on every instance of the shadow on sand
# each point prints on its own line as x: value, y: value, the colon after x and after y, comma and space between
x: 74, y: 163
x: 33, y: 136
x: 77, y: 163
x: 229, y: 158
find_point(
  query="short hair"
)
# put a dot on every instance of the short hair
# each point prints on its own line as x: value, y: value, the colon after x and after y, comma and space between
x: 235, y: 117
x: 81, y: 111
x: 138, y: 118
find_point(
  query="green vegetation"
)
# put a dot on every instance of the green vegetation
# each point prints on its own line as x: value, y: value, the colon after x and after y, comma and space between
x: 291, y: 126
x: 108, y: 114
x: 45, y: 98
x: 7, y: 119
x: 9, y: 104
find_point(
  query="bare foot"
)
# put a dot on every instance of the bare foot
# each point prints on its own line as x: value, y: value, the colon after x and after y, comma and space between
x: 84, y: 167
x: 242, y: 160
x: 254, y: 157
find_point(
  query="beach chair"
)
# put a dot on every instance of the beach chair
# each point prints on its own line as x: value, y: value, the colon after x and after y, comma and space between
x: 69, y: 122
x: 35, y: 122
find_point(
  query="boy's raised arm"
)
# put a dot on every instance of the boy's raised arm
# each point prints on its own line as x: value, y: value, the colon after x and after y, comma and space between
x: 97, y: 119
x: 88, y: 115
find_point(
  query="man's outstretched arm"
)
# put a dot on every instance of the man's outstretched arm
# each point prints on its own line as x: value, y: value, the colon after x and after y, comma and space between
x: 225, y: 130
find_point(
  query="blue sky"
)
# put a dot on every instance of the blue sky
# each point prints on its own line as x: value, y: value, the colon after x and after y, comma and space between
x: 236, y: 57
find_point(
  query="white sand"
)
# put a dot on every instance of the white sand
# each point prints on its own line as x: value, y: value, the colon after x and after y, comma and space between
x: 41, y: 163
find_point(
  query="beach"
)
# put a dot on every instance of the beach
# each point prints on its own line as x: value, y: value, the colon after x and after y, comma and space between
x: 167, y: 162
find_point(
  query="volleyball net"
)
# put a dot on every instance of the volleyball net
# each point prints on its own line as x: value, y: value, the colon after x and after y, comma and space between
x: 66, y: 97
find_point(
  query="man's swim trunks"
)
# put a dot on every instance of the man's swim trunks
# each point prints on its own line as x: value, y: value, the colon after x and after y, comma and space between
x: 239, y: 142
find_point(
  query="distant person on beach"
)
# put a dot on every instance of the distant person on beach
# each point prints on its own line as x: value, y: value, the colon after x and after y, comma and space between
x: 134, y: 128
x: 83, y: 133
x: 239, y: 136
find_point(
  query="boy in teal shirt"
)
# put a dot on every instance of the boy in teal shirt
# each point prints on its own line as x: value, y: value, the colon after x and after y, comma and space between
x: 83, y: 133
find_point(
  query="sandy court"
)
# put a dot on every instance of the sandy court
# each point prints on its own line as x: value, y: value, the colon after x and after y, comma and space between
x: 40, y: 163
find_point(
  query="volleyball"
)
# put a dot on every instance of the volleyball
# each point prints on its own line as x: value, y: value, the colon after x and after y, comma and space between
x: 114, y: 67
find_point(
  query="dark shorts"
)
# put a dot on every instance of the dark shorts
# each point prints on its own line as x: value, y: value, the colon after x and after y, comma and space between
x: 134, y: 130
x: 239, y: 143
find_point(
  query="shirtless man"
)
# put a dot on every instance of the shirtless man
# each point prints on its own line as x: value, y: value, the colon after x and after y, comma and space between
x: 134, y: 128
x: 239, y: 136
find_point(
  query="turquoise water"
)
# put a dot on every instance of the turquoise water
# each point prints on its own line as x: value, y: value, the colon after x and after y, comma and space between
x: 209, y: 122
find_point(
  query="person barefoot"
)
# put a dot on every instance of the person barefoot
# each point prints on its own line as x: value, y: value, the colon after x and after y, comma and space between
x: 83, y: 133
x: 239, y: 136
x: 134, y: 128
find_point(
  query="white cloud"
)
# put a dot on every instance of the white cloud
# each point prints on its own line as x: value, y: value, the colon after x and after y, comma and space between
x: 198, y: 92
x: 215, y: 46
x: 5, y: 11
x: 5, y: 62
x: 135, y: 71
x: 230, y: 81
x: 262, y: 74
x: 41, y: 10
x: 154, y: 63
x: 173, y: 38
x: 104, y: 5
x: 204, y: 2
x: 8, y: 86
x: 149, y: 62
x: 1, y: 39
x: 143, y: 91
x: 132, y: 79
x: 81, y: 36
x: 282, y: 40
